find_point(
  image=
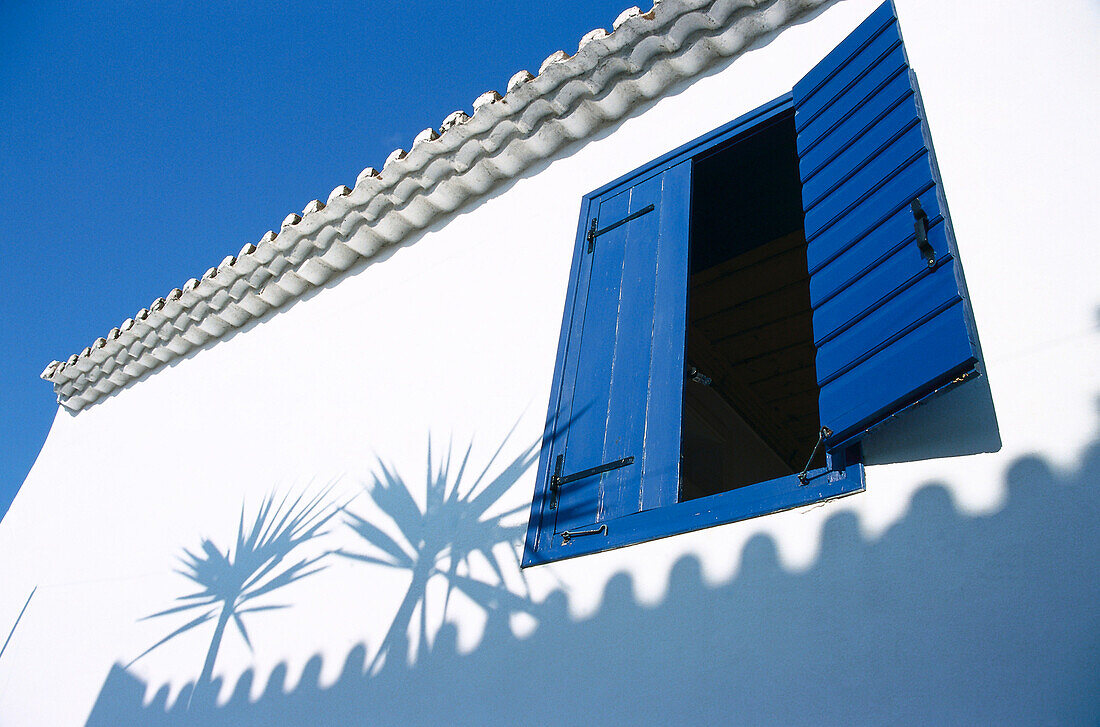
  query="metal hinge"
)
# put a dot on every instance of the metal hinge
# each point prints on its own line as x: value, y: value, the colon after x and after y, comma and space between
x: 557, y: 480
x: 593, y: 233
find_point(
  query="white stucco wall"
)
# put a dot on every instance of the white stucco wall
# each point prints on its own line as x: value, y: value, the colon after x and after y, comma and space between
x: 958, y: 590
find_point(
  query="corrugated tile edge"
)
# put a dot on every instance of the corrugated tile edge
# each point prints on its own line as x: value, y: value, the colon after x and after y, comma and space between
x: 571, y: 98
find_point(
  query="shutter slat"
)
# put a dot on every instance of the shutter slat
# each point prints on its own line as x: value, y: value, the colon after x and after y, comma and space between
x: 827, y: 138
x: 850, y: 62
x: 907, y: 159
x: 868, y: 213
x: 888, y: 328
x: 874, y: 386
x: 633, y: 340
x: 893, y: 132
x: 880, y: 283
x: 661, y: 457
x: 870, y: 250
x: 870, y: 328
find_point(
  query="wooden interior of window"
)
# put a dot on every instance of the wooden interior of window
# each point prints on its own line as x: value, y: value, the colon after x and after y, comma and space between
x: 751, y: 413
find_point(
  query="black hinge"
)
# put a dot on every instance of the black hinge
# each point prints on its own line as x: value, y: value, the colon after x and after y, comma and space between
x: 557, y: 480
x: 920, y: 225
x: 593, y: 233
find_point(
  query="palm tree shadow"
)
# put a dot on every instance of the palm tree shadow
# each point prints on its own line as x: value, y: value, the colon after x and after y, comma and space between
x: 945, y: 617
x: 230, y: 583
x: 460, y: 521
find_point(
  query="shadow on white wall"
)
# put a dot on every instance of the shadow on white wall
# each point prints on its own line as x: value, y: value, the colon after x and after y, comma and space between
x: 944, y: 619
x: 255, y: 567
x: 459, y: 521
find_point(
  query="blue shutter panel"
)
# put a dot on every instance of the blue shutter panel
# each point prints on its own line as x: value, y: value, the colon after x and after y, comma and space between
x: 889, y: 328
x: 622, y: 372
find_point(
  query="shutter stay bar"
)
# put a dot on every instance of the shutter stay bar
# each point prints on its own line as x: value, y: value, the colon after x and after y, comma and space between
x: 557, y: 480
x: 822, y: 435
x: 920, y: 225
x: 567, y: 535
x: 593, y: 233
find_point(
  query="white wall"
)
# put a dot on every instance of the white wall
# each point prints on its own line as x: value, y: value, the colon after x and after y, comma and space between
x: 955, y: 590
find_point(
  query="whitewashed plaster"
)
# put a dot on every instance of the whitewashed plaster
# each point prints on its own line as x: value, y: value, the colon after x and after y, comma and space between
x: 451, y: 337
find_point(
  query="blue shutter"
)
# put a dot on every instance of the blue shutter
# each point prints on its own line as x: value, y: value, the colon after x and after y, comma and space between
x: 621, y: 375
x: 891, y: 319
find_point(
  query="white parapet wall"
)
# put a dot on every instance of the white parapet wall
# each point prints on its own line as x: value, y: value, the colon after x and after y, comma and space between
x: 953, y: 590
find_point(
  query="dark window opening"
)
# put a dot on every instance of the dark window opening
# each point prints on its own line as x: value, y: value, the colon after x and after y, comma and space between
x: 750, y: 406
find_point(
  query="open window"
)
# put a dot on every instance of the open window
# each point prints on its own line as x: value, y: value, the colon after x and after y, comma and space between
x: 744, y: 309
x: 750, y: 394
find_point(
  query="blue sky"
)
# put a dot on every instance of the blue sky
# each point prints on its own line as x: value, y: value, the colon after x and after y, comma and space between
x: 141, y: 143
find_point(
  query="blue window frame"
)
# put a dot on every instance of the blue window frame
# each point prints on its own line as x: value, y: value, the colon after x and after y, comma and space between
x: 787, y: 280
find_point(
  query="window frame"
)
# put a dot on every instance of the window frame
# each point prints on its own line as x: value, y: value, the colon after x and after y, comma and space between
x: 842, y: 475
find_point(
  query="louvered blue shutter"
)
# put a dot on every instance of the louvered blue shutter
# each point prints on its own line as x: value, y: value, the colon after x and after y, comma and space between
x: 621, y: 377
x: 891, y: 319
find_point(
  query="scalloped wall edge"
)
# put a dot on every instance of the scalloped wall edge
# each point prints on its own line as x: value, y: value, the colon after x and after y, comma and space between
x: 571, y: 98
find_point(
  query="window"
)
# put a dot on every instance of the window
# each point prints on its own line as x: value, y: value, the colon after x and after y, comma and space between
x: 743, y: 309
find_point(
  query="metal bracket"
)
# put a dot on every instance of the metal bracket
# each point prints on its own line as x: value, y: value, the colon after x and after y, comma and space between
x: 822, y: 435
x: 557, y: 480
x: 567, y: 536
x: 593, y: 233
x: 920, y: 226
x: 694, y: 374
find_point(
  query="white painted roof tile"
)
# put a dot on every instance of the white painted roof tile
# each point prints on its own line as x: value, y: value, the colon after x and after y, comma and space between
x: 342, y: 191
x: 570, y: 99
x: 625, y: 16
x: 597, y: 34
x: 484, y: 100
x: 518, y: 80
x: 314, y: 206
x: 428, y: 134
x: 555, y: 57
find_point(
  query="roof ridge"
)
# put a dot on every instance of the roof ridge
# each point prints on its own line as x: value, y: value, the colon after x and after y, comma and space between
x: 571, y: 97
